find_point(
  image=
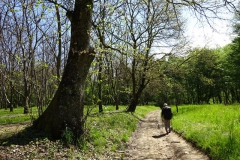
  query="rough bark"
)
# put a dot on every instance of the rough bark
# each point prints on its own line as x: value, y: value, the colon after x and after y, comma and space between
x: 66, y: 108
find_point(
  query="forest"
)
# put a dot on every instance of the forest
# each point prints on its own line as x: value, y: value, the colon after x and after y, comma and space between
x: 63, y: 55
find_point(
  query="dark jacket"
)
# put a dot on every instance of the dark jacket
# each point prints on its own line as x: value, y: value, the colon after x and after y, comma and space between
x: 167, y: 112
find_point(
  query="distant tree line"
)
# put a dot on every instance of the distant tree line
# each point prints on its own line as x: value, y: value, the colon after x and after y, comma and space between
x: 203, y: 76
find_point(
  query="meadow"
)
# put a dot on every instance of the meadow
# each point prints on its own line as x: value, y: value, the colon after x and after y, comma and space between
x: 213, y: 128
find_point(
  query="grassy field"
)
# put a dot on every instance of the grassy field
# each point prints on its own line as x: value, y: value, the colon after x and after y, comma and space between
x: 213, y: 128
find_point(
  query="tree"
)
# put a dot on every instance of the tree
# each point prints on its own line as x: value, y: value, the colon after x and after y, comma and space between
x: 204, y: 74
x: 234, y: 59
x: 66, y: 108
x: 23, y: 42
x: 138, y: 26
x: 232, y: 68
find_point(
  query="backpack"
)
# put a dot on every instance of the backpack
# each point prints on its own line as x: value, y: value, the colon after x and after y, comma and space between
x: 167, y: 112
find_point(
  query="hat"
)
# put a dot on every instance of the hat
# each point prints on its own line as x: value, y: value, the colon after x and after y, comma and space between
x: 165, y: 104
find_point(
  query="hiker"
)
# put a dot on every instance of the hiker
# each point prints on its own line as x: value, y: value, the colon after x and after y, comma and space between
x: 166, y: 117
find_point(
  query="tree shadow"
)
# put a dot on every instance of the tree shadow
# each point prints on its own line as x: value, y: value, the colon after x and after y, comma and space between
x: 95, y: 114
x: 115, y: 112
x: 24, y: 137
x: 161, y: 135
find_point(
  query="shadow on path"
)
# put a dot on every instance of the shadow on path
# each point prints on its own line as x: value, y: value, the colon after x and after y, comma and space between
x: 160, y: 136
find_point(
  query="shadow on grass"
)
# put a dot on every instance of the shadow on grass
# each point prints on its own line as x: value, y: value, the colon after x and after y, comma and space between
x: 116, y: 112
x: 141, y: 119
x: 106, y: 112
x: 23, y: 137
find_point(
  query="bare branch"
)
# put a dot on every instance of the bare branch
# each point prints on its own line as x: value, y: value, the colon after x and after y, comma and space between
x: 56, y: 3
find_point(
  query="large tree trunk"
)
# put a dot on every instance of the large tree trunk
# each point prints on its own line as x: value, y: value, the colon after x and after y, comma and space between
x: 66, y: 108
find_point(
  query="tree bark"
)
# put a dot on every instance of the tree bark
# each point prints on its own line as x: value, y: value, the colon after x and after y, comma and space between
x: 59, y: 55
x: 66, y: 108
x: 133, y: 104
x: 100, y: 85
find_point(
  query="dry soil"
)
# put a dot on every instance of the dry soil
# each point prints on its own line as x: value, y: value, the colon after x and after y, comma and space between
x: 150, y: 142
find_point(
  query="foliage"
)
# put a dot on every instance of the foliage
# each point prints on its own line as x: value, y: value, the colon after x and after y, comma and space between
x: 233, y: 59
x: 196, y: 78
x: 213, y: 128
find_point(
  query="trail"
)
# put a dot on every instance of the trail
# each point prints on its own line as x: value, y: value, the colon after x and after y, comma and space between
x: 150, y: 143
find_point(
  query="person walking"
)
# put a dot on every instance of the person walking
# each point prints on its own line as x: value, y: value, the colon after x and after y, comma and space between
x: 166, y: 117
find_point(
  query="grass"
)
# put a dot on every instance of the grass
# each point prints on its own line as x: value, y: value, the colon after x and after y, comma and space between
x: 213, y: 128
x: 105, y: 137
x: 109, y: 131
x: 17, y: 116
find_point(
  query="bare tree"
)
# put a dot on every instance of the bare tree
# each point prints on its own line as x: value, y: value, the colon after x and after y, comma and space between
x: 137, y: 26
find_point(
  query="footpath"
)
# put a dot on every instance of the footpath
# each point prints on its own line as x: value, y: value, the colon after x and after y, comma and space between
x: 150, y: 142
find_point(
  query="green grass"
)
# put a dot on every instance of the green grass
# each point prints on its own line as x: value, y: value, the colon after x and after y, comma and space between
x: 17, y: 116
x: 213, y: 128
x: 109, y: 131
x: 106, y: 134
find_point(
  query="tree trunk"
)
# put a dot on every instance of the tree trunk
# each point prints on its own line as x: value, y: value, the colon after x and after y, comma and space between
x: 59, y: 55
x: 134, y: 101
x: 116, y: 101
x: 26, y: 93
x: 100, y: 85
x: 66, y: 108
x: 133, y: 105
x: 11, y: 97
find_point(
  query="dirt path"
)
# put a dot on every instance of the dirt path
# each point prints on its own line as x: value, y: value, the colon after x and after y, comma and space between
x: 150, y: 143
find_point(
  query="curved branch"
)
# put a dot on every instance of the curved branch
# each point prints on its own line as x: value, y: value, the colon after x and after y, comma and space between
x: 56, y: 3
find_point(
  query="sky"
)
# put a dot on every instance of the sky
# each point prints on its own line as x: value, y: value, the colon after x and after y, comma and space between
x: 202, y: 35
